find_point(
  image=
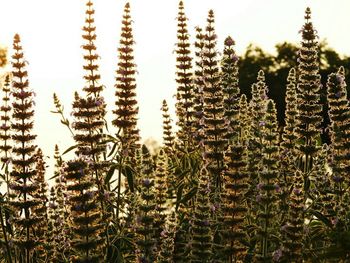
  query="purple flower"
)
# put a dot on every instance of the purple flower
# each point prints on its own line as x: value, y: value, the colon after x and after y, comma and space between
x: 98, y: 102
x: 334, y: 221
x: 338, y: 94
x: 234, y: 58
x: 106, y: 196
x: 277, y: 254
x: 259, y: 186
x: 338, y: 179
x: 229, y: 41
x: 264, y: 97
x: 206, y: 222
x: 278, y: 188
x: 261, y: 123
x: 90, y: 194
x: 125, y: 153
x: 146, y: 182
x: 163, y: 233
x: 297, y: 191
x: 340, y: 78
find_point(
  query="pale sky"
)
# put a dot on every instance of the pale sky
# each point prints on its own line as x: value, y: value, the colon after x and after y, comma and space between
x: 51, y: 38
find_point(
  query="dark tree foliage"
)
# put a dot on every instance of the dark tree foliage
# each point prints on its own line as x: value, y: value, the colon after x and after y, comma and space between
x: 277, y: 66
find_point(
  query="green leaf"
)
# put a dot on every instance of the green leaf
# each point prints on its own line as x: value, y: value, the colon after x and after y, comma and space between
x: 110, y: 173
x: 129, y: 173
x: 321, y: 217
x: 189, y: 195
x: 71, y: 148
x: 113, y: 149
x: 179, y: 195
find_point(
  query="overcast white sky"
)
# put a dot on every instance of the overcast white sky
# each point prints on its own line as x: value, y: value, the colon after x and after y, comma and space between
x: 51, y: 36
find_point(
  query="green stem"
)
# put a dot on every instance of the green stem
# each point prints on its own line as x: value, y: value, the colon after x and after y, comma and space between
x: 5, y: 236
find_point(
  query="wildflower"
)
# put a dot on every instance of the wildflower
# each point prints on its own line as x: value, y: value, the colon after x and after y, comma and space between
x: 106, y: 196
x: 334, y: 221
x: 164, y: 233
x: 337, y: 179
x: 90, y: 194
x: 338, y: 94
x: 340, y: 78
x: 234, y: 58
x: 297, y: 191
x: 259, y: 186
x: 146, y: 182
x: 125, y: 152
x: 277, y: 255
x: 261, y: 123
x: 229, y: 41
x: 277, y: 188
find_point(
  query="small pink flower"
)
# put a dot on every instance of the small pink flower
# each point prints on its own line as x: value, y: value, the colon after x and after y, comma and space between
x: 334, y: 221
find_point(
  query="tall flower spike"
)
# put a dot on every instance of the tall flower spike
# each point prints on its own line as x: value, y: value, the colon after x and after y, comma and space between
x: 91, y: 67
x: 23, y: 156
x: 309, y: 107
x: 323, y: 184
x: 5, y: 130
x: 168, y: 138
x: 167, y: 241
x: 214, y: 128
x: 127, y: 109
x: 88, y: 125
x: 288, y: 145
x: 339, y: 114
x: 234, y: 208
x: 90, y: 111
x: 41, y: 210
x: 184, y: 79
x: 214, y: 124
x: 289, y: 137
x: 201, y: 249
x: 161, y: 174
x: 268, y: 184
x: 146, y: 216
x: 199, y: 85
x: 243, y: 119
x: 85, y: 219
x: 292, y: 232
x: 229, y: 82
x: 55, y: 251
x: 257, y: 109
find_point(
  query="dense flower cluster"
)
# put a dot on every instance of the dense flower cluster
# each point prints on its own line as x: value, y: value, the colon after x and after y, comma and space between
x: 231, y: 185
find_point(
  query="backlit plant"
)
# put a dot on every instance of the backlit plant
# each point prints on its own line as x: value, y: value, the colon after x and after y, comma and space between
x: 231, y: 185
